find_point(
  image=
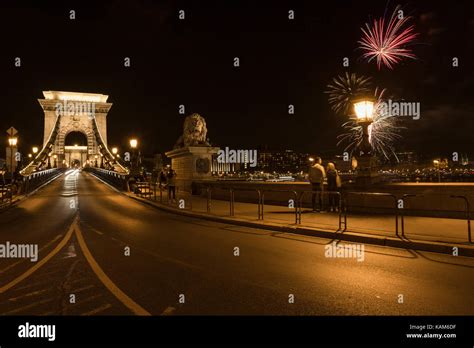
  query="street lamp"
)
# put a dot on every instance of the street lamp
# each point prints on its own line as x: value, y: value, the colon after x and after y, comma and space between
x: 133, y: 161
x: 12, y: 141
x: 436, y: 164
x: 114, y: 150
x: 35, y: 150
x: 364, y: 111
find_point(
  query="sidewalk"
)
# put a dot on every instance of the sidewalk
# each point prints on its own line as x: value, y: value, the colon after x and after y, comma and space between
x: 421, y: 233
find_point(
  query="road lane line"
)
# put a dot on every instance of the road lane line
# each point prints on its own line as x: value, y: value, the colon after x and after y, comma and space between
x: 97, y: 310
x: 30, y: 294
x: 84, y: 288
x: 31, y: 305
x: 109, y: 284
x: 43, y: 261
x: 168, y: 311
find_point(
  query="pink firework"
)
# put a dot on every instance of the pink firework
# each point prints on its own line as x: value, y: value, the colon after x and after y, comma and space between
x: 387, y: 42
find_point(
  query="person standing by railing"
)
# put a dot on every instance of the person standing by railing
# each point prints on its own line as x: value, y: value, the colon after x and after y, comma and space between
x: 316, y: 177
x: 162, y: 179
x: 334, y: 186
x: 171, y: 178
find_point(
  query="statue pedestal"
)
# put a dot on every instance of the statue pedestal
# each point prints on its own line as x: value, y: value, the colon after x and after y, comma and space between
x: 191, y: 163
x: 367, y: 173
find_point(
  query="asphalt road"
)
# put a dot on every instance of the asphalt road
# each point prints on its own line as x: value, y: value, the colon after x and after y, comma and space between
x: 102, y: 253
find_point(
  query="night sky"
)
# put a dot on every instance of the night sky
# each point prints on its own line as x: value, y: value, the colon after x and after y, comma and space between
x: 190, y: 62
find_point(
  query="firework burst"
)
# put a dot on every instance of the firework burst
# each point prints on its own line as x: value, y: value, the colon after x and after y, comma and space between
x: 387, y: 42
x: 344, y: 89
x: 383, y: 132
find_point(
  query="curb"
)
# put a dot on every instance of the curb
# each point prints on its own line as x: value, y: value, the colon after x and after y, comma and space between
x: 437, y: 247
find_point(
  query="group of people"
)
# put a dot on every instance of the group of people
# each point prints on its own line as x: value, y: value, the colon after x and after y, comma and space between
x: 317, y: 176
x: 168, y: 179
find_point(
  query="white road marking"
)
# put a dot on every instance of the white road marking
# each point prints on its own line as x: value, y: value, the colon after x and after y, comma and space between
x: 168, y: 311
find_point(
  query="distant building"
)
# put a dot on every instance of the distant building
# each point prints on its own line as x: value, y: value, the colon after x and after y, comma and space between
x: 282, y: 161
x: 225, y: 168
x: 408, y: 157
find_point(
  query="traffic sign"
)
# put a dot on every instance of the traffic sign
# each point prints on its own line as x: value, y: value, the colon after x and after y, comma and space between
x: 12, y: 131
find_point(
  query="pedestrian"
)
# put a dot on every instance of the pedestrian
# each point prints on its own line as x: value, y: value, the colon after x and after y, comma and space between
x: 171, y: 179
x: 317, y: 175
x: 162, y: 179
x: 334, y: 186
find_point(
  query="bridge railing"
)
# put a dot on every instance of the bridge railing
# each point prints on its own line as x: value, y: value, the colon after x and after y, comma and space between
x: 34, y: 180
x: 118, y: 180
x: 26, y: 184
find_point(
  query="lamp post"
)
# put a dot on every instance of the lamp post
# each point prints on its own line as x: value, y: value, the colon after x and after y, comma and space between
x: 436, y: 164
x: 364, y: 111
x: 133, y: 159
x: 12, y: 141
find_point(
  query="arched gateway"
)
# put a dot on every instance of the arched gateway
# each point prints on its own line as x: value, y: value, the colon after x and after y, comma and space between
x: 71, y: 113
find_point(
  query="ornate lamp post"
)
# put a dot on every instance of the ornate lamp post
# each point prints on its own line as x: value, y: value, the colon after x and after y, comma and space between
x: 114, y: 152
x: 437, y: 164
x: 12, y: 142
x: 133, y: 159
x: 364, y: 110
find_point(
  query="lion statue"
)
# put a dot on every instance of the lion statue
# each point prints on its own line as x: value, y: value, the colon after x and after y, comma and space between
x: 194, y: 132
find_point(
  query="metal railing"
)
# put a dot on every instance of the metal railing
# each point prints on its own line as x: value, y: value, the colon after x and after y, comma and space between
x: 343, y: 204
x: 26, y: 184
x: 118, y: 180
x: 6, y: 195
x: 34, y: 180
x: 378, y: 194
x: 468, y: 215
x: 295, y: 201
x: 340, y: 207
x: 403, y: 209
x: 232, y: 201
